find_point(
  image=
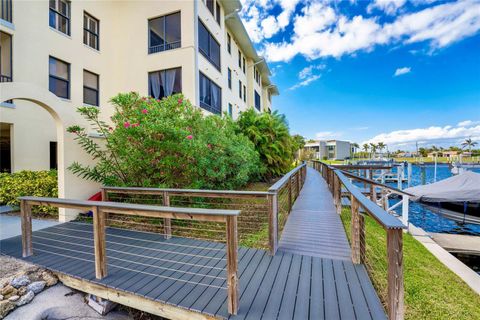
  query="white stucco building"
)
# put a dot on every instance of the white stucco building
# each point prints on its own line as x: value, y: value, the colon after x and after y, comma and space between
x: 330, y: 149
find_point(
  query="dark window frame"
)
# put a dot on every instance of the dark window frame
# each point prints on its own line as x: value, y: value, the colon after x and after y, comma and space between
x: 218, y: 13
x: 165, y: 46
x: 240, y: 89
x: 53, y: 152
x: 90, y: 32
x: 243, y: 67
x: 203, y: 105
x: 7, y: 13
x: 229, y: 43
x: 8, y: 77
x: 181, y: 81
x: 68, y: 81
x: 230, y: 109
x: 258, y: 104
x: 55, y: 12
x: 244, y: 93
x: 207, y: 54
x: 97, y: 90
x: 239, y: 59
x: 229, y: 78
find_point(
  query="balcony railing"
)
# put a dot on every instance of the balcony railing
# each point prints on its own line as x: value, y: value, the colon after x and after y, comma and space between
x: 6, y: 13
x: 165, y: 47
x: 4, y: 78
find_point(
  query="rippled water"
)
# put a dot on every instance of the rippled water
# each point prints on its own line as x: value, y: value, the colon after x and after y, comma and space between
x: 429, y: 219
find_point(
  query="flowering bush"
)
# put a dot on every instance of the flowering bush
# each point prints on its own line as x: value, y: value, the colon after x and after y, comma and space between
x: 166, y: 143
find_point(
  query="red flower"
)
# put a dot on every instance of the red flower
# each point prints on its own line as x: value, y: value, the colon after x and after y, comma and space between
x: 110, y: 128
x: 189, y: 137
x: 209, y: 146
x: 126, y: 124
x: 180, y: 101
x: 144, y: 111
x: 135, y: 125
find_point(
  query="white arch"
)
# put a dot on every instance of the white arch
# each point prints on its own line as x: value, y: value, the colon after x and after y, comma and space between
x: 69, y: 186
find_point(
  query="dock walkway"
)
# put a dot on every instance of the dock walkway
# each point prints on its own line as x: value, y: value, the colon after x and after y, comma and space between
x: 310, y: 277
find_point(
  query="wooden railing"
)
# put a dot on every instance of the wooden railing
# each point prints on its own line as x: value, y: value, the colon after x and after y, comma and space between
x: 336, y: 180
x: 258, y: 207
x: 101, y: 209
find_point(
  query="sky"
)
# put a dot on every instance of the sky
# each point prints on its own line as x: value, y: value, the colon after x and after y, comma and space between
x: 396, y: 71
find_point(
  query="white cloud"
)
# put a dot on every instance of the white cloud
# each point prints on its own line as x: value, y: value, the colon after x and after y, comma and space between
x: 308, y: 75
x: 433, y: 134
x: 401, y: 71
x: 321, y: 31
x: 388, y: 6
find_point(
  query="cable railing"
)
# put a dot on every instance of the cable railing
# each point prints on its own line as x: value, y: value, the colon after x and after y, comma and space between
x: 376, y: 237
x: 192, y: 262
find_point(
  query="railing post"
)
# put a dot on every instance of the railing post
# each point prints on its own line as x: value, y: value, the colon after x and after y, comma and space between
x: 338, y: 194
x: 99, y: 243
x: 395, y: 296
x: 167, y: 222
x: 289, y: 194
x: 232, y: 264
x: 105, y: 198
x: 405, y: 200
x: 272, y: 202
x: 358, y: 232
x: 26, y: 219
x: 299, y: 177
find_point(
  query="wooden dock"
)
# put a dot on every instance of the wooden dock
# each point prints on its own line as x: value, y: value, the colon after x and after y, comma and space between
x: 310, y: 277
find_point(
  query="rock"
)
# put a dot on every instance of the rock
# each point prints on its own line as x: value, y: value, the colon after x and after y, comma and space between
x: 14, y: 292
x: 49, y: 278
x: 8, y: 290
x: 17, y: 282
x: 21, y: 291
x: 5, y: 307
x: 26, y: 298
x: 36, y: 286
x: 13, y: 298
x: 1, y: 297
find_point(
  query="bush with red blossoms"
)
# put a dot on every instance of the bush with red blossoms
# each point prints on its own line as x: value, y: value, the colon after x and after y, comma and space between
x: 166, y: 143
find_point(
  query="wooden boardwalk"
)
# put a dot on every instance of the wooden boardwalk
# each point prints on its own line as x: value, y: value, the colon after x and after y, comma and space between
x: 310, y: 277
x: 313, y: 227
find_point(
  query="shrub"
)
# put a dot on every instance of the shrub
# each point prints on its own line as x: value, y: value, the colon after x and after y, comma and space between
x: 28, y: 183
x: 166, y: 143
x: 269, y: 132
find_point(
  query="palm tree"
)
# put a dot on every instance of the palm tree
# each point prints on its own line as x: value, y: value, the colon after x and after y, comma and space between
x: 365, y: 148
x: 355, y: 148
x: 373, y: 147
x: 381, y: 146
x: 469, y: 143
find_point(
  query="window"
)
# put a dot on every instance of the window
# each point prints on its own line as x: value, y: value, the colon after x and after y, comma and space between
x: 6, y: 10
x: 164, y: 83
x: 5, y: 57
x: 59, y: 16
x: 229, y: 78
x: 244, y: 93
x: 230, y: 110
x: 257, y: 101
x: 243, y: 67
x: 164, y: 33
x: 59, y: 78
x: 90, y: 88
x: 210, y: 95
x: 53, y: 155
x: 208, y: 46
x: 239, y: 59
x: 6, y: 147
x: 210, y: 4
x: 218, y: 12
x: 229, y: 43
x: 240, y: 89
x: 90, y: 31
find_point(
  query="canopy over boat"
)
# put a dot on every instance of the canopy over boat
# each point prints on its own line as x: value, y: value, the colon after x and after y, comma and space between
x: 464, y: 187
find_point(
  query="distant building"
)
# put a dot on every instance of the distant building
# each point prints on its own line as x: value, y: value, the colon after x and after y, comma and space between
x: 445, y: 154
x: 406, y: 155
x: 330, y: 149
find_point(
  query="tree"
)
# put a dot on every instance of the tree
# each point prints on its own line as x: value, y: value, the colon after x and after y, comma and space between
x: 373, y: 147
x: 165, y: 143
x: 355, y: 148
x: 365, y: 148
x: 381, y: 146
x: 469, y: 143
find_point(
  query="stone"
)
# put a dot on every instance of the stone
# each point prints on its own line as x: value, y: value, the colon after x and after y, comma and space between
x: 36, y: 286
x: 5, y: 307
x: 26, y: 298
x: 21, y: 291
x: 14, y: 292
x: 49, y: 278
x: 17, y: 282
x: 13, y: 298
x: 1, y: 297
x: 8, y: 290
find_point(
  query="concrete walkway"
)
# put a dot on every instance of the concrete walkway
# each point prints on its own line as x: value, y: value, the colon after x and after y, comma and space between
x: 313, y: 227
x: 10, y: 226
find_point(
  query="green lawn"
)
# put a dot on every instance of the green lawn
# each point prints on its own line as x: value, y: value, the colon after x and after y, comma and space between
x: 432, y: 291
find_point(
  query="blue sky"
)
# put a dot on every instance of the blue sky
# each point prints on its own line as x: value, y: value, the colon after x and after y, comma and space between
x: 385, y: 70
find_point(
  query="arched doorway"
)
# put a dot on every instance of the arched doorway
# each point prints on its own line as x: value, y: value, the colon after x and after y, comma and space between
x: 69, y: 186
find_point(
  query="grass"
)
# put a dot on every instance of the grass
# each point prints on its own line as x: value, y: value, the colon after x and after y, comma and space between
x: 432, y: 291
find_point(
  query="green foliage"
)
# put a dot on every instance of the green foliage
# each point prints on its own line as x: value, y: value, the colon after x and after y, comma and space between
x: 165, y: 143
x: 28, y: 183
x: 269, y: 132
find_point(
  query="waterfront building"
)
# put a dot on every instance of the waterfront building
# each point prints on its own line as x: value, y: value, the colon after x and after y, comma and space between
x: 330, y: 149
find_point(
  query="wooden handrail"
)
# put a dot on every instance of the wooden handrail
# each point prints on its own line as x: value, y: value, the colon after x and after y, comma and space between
x: 101, y: 208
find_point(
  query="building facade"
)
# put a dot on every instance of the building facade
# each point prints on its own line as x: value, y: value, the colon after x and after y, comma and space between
x: 86, y: 52
x: 330, y: 149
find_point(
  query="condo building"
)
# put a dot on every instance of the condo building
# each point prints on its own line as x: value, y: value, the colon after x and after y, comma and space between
x: 85, y: 52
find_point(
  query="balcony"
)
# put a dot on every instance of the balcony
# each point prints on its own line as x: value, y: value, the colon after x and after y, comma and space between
x: 164, y: 47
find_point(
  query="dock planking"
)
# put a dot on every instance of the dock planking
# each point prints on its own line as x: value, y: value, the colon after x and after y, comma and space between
x: 310, y: 277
